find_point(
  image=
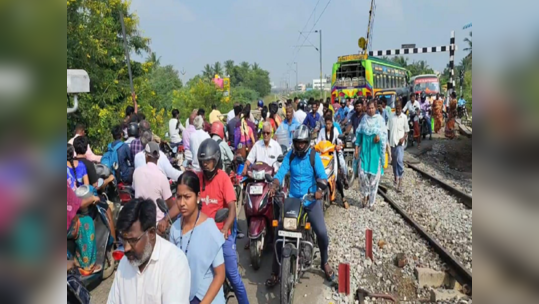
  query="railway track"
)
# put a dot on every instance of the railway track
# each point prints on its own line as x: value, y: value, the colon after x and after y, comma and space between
x: 463, y: 197
x: 457, y: 269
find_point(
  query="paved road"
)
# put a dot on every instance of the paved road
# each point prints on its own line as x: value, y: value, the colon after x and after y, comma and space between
x: 309, y: 291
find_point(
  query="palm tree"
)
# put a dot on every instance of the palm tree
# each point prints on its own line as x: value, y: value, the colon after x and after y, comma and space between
x: 468, y: 40
x: 218, y: 68
x: 207, y: 72
x: 256, y: 67
x: 229, y: 67
x: 154, y: 59
x: 245, y: 65
x: 401, y: 60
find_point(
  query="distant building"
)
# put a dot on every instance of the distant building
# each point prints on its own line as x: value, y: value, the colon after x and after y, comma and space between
x: 301, y: 87
x: 325, y: 84
x: 273, y: 86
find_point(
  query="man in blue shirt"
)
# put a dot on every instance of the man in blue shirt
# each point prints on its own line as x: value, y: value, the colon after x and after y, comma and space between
x: 342, y: 113
x: 290, y: 124
x: 303, y: 180
x: 125, y: 158
x: 313, y: 117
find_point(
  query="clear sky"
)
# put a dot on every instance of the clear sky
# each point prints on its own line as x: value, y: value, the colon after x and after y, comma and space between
x: 191, y: 33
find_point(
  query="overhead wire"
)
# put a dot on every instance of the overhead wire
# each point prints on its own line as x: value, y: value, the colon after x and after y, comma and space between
x: 309, y: 33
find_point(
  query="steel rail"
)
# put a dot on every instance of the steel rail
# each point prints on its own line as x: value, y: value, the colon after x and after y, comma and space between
x: 463, y: 197
x: 459, y: 272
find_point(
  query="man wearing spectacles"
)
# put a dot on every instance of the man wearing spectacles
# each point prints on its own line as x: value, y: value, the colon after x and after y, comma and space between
x: 265, y: 150
x: 152, y: 270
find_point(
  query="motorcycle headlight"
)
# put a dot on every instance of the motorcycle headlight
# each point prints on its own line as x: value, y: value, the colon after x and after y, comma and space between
x: 290, y: 224
x: 259, y: 175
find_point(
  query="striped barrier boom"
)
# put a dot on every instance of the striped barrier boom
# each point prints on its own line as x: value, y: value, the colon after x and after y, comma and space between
x: 451, y: 48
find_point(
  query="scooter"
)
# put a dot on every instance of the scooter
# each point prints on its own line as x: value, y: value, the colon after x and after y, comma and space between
x: 328, y: 154
x: 259, y: 209
x: 103, y: 242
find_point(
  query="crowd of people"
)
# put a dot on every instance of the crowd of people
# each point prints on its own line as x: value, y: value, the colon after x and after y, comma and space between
x: 192, y: 264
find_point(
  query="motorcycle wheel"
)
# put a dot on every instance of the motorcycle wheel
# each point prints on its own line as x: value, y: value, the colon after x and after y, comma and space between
x: 110, y: 265
x: 288, y: 269
x: 256, y: 253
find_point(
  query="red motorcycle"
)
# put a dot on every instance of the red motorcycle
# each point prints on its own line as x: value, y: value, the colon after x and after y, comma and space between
x: 259, y: 210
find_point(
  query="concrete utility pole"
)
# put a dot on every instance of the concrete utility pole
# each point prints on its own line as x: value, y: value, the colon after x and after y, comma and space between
x: 321, y: 85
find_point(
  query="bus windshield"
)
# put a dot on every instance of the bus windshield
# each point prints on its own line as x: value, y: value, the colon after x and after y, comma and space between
x: 427, y: 85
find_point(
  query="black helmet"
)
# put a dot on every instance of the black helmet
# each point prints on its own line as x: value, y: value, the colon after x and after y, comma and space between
x: 302, y: 105
x: 423, y: 95
x: 302, y: 134
x: 132, y: 130
x: 273, y: 108
x: 209, y: 149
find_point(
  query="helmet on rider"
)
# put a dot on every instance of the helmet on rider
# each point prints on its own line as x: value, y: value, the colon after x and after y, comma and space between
x: 260, y: 103
x: 343, y: 102
x: 217, y: 129
x: 209, y: 150
x: 301, y: 140
x: 132, y: 130
x: 302, y: 105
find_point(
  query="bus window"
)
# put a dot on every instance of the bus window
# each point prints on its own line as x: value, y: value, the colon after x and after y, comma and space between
x: 375, y: 80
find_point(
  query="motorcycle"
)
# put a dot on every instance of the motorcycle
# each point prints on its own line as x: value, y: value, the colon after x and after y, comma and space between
x: 462, y: 112
x: 410, y: 140
x: 297, y: 240
x: 103, y: 242
x: 424, y: 125
x: 259, y: 209
x: 328, y: 154
x: 174, y: 153
x: 349, y: 151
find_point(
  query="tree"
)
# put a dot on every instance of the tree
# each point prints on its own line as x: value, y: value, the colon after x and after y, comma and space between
x: 468, y: 40
x: 154, y: 59
x: 218, y: 68
x: 208, y: 72
x: 163, y: 82
x: 400, y: 60
x: 256, y: 67
x: 229, y: 67
x: 95, y: 44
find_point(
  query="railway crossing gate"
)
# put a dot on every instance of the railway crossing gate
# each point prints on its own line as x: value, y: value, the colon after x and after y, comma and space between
x: 451, y: 48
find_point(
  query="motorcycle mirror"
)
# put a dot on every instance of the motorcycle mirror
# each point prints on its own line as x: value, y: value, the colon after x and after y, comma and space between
x: 221, y: 215
x: 269, y: 178
x: 280, y: 158
x: 341, y: 137
x: 239, y: 159
x: 162, y: 205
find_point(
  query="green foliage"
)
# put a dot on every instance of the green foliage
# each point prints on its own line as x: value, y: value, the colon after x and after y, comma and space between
x: 199, y: 93
x: 416, y: 68
x: 309, y: 94
x: 95, y: 44
x: 244, y: 95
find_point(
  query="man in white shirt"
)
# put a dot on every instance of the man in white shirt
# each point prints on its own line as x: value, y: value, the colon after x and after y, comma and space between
x: 196, y: 138
x: 152, y: 270
x: 412, y: 106
x: 175, y: 127
x: 163, y: 163
x: 266, y: 150
x: 398, y: 131
x: 300, y: 112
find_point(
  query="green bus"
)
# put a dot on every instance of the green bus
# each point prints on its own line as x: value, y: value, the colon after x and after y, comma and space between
x: 357, y: 75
